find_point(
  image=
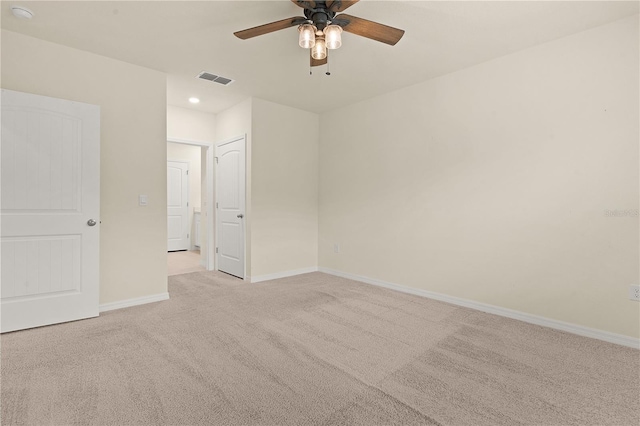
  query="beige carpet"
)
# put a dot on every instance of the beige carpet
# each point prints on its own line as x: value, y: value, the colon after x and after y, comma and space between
x: 311, y: 350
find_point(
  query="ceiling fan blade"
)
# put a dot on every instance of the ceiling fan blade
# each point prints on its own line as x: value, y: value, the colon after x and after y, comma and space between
x: 269, y: 28
x: 308, y: 4
x: 369, y: 29
x: 340, y: 5
x: 318, y: 62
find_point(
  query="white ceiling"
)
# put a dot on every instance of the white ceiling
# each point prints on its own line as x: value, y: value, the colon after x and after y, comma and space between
x: 182, y: 38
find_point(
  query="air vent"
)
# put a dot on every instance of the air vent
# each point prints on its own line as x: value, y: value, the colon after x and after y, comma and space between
x: 215, y: 78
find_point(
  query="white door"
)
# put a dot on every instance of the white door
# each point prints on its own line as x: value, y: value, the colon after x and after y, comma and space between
x: 50, y: 205
x: 178, y: 205
x: 230, y: 203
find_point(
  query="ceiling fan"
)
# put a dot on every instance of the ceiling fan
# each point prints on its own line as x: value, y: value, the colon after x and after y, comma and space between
x: 321, y: 28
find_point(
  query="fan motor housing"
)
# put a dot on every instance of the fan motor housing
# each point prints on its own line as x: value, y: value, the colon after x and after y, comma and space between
x: 319, y: 17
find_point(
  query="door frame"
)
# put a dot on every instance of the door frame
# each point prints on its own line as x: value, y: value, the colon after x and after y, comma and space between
x: 209, y: 199
x: 243, y: 138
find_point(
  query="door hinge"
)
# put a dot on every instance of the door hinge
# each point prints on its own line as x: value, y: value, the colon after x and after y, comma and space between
x: 187, y: 204
x: 216, y: 249
x: 216, y: 159
x: 187, y: 171
x: 187, y: 235
x: 216, y: 205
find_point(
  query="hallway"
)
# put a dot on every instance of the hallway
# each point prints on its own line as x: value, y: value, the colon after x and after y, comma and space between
x: 183, y: 262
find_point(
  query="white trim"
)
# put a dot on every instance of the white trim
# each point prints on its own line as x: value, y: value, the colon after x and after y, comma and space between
x: 580, y: 330
x: 134, y: 302
x: 189, y: 142
x: 231, y: 140
x: 211, y: 243
x: 209, y: 262
x: 179, y: 161
x: 284, y: 274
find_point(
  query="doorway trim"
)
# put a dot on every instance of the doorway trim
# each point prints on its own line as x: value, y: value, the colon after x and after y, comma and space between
x: 209, y: 200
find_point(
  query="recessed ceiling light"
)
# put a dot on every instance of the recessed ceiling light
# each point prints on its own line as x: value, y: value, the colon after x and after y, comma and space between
x: 194, y: 100
x: 21, y: 12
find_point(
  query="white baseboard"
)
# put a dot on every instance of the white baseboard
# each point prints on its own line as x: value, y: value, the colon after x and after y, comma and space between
x: 606, y: 336
x: 134, y: 302
x: 283, y: 274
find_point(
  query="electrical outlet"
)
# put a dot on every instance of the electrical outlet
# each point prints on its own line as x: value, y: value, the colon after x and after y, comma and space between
x: 336, y: 247
x: 634, y: 292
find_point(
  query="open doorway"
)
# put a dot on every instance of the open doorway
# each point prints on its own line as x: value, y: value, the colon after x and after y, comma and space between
x: 189, y: 195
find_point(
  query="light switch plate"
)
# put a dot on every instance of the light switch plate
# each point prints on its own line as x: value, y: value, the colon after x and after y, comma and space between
x: 143, y: 200
x: 634, y: 292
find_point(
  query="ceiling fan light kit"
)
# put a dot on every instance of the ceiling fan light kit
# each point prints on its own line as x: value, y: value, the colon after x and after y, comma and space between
x: 307, y: 37
x: 333, y: 36
x: 319, y: 50
x: 322, y: 26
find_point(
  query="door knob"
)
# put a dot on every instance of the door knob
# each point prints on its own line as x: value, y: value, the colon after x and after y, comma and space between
x: 91, y: 222
x: 240, y: 216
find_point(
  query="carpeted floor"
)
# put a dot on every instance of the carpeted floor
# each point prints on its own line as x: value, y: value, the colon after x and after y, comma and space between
x: 184, y: 262
x: 311, y: 350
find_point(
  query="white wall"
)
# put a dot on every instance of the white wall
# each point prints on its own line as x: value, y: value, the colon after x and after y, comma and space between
x: 284, y: 187
x: 492, y: 183
x: 235, y: 121
x: 133, y: 153
x: 192, y: 155
x: 189, y: 124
